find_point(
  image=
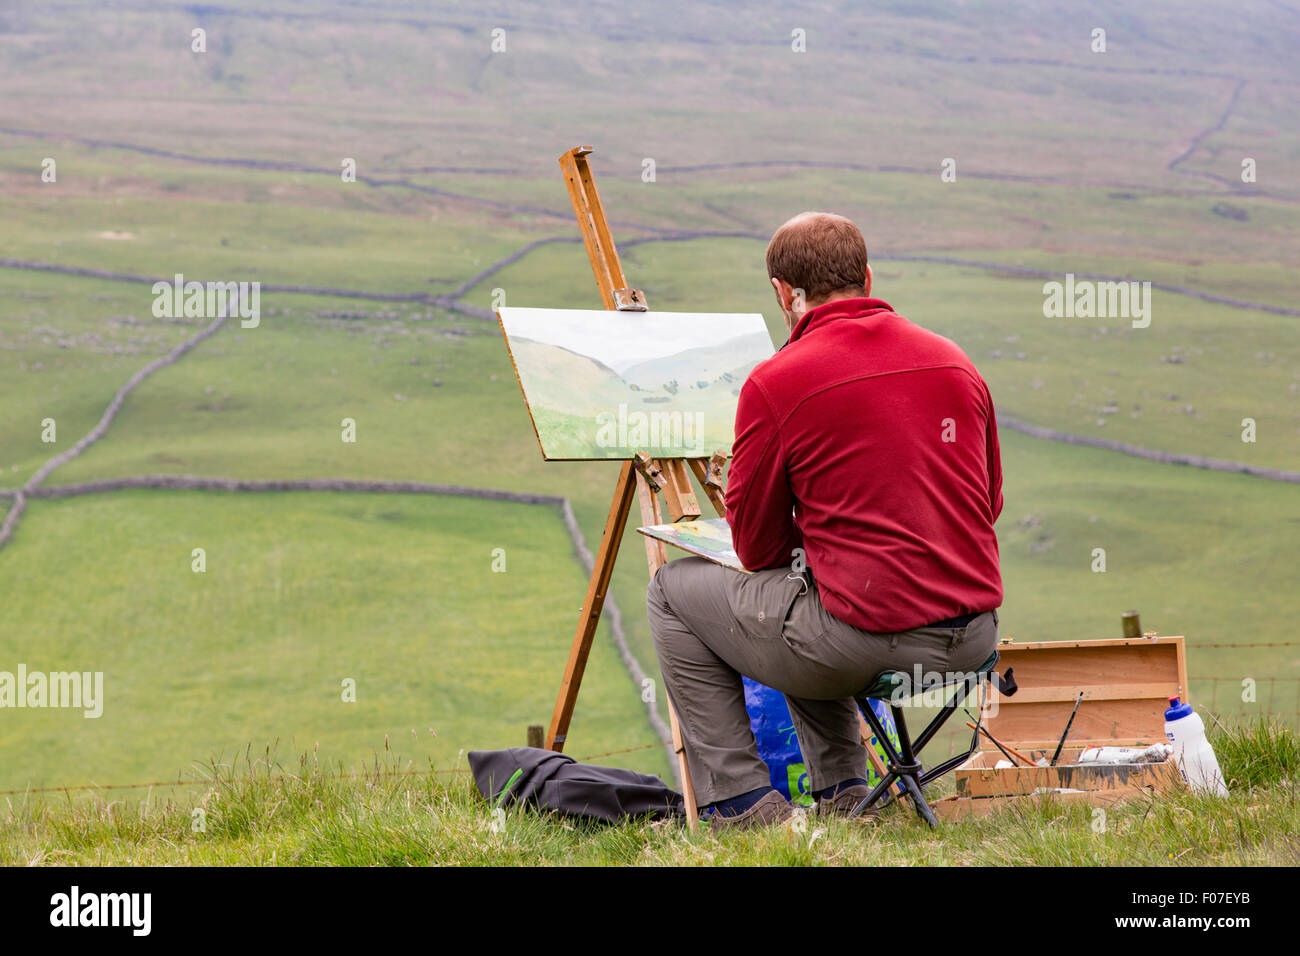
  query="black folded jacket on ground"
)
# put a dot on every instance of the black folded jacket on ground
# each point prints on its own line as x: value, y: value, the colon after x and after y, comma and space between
x: 545, y: 780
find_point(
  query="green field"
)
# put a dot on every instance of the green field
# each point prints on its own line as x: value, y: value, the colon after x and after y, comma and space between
x: 301, y: 591
x: 1064, y: 165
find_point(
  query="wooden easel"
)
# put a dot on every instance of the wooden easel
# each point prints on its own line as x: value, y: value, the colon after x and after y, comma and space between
x: 644, y: 474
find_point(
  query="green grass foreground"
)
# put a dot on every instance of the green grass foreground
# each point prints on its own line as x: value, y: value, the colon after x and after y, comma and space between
x: 257, y: 813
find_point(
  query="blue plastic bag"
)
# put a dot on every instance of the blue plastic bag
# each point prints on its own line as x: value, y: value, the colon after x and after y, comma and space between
x: 778, y: 746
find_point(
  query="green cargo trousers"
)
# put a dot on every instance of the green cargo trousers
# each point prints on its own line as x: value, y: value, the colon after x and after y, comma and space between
x: 712, y: 624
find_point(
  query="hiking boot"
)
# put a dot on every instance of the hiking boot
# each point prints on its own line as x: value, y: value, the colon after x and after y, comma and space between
x: 771, y: 808
x: 845, y: 802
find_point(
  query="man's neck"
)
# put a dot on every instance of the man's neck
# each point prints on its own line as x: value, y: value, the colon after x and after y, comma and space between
x: 793, y: 318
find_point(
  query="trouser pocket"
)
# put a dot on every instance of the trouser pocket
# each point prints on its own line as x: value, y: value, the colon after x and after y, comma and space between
x: 761, y: 601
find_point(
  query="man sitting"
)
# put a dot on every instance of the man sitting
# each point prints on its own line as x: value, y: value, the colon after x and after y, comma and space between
x: 864, y: 483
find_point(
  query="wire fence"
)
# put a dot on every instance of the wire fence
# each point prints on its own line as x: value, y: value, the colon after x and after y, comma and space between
x: 1248, y: 693
x: 1277, y: 697
x: 225, y: 781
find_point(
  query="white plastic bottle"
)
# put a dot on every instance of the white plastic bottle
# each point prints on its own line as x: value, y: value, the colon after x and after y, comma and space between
x: 1195, y: 756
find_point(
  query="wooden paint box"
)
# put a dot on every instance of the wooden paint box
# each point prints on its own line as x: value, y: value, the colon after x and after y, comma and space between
x: 1126, y: 688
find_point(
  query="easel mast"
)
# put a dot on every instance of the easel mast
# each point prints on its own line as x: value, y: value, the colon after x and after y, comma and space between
x: 644, y: 475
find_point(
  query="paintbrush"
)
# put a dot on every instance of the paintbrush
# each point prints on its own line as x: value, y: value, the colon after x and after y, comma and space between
x: 1068, y: 724
x: 1010, y: 753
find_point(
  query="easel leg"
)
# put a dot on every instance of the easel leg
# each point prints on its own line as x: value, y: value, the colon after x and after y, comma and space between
x: 629, y: 481
x: 657, y: 558
x: 689, y: 805
x: 601, y: 572
x: 873, y: 758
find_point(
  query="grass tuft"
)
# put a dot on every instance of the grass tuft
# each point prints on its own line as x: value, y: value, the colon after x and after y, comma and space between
x: 1259, y: 753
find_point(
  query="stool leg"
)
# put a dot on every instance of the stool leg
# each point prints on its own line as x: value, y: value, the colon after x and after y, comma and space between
x: 904, y: 739
x: 910, y: 768
x: 892, y: 756
x: 870, y: 799
x: 922, y: 808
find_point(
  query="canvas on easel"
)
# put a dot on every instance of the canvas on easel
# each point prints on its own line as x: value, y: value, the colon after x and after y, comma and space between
x: 604, y: 386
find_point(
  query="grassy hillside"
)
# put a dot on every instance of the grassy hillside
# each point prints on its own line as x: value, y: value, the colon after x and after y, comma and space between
x: 226, y: 165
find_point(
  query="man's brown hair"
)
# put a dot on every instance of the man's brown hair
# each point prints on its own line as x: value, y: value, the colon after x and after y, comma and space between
x: 819, y: 252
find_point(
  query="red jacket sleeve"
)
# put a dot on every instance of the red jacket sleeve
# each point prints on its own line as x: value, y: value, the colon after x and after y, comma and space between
x: 995, y: 457
x: 760, y: 505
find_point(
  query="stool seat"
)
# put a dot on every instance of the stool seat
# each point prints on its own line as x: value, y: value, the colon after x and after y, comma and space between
x: 889, y: 682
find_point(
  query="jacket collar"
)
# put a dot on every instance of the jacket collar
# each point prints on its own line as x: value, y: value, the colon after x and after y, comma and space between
x: 839, y: 309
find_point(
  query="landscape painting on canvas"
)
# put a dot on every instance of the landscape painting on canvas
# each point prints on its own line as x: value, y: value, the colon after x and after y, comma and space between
x: 606, y: 385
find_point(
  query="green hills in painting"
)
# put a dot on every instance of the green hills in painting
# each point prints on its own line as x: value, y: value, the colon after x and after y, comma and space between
x: 682, y: 404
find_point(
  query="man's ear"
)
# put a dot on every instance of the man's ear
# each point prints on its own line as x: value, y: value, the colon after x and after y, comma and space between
x: 866, y: 286
x: 783, y: 293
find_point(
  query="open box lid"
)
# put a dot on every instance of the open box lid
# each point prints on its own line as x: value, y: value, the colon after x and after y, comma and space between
x: 1126, y: 688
